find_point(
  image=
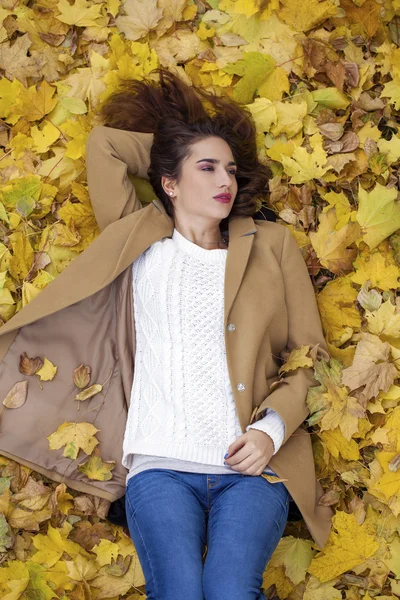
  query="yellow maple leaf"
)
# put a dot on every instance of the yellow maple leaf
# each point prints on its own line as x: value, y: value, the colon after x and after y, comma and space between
x: 391, y: 148
x: 81, y: 13
x: 48, y: 371
x: 276, y: 576
x: 106, y: 551
x: 77, y: 129
x: 58, y: 575
x: 45, y: 137
x: 74, y: 436
x: 380, y: 268
x: 205, y: 31
x: 336, y: 444
x: 37, y: 103
x: 331, y: 245
x: 388, y: 484
x: 20, y: 143
x: 63, y: 499
x: 340, y: 203
x: 306, y: 15
x: 96, y: 468
x: 14, y: 579
x: 289, y: 116
x: 81, y: 568
x: 385, y: 320
x: 80, y: 217
x: 297, y: 358
x: 275, y: 85
x: 264, y: 114
x: 244, y: 7
x: 378, y: 213
x: 295, y: 555
x: 303, y: 166
x: 350, y: 545
x: 338, y: 311
x: 52, y: 545
x: 391, y: 90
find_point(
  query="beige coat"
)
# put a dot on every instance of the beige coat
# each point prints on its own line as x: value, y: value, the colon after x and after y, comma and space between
x: 86, y: 316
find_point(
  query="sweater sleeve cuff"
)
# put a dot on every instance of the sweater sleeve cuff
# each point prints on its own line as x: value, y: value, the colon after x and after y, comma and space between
x: 273, y: 425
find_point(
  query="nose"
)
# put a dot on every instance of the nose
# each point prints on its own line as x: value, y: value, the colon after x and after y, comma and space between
x: 225, y: 179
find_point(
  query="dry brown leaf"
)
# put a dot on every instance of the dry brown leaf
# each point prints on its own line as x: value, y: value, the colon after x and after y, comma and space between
x: 29, y: 366
x: 16, y: 397
x: 82, y: 376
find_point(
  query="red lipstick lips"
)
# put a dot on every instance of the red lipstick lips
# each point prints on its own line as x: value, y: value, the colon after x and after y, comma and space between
x: 225, y: 198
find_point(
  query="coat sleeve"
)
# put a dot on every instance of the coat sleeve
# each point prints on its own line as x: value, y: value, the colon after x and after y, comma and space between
x: 110, y: 155
x: 288, y: 394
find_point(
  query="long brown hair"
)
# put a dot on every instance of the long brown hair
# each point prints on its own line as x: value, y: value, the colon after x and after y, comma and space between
x: 179, y: 115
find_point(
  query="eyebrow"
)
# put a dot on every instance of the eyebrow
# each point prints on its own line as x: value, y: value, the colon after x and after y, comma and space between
x: 215, y: 161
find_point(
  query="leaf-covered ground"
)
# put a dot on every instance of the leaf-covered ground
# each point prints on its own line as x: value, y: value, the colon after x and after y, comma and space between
x: 322, y: 80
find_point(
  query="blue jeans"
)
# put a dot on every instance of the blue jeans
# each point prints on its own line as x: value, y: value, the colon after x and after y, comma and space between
x: 172, y: 514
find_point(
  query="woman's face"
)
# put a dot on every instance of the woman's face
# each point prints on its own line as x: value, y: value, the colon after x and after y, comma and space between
x: 202, y: 180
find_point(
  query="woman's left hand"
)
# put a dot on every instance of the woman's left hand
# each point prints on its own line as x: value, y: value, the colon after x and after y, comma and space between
x: 251, y: 452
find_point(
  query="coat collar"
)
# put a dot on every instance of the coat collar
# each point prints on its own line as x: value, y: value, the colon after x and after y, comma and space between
x: 141, y: 229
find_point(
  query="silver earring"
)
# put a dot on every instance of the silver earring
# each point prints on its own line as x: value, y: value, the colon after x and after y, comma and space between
x: 170, y: 193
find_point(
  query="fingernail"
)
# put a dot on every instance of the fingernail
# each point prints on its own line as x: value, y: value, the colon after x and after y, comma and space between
x: 226, y: 454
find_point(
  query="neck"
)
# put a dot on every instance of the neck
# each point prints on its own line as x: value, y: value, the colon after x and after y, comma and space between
x: 205, y: 238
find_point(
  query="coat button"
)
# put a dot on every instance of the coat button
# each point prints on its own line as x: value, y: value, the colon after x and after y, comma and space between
x: 231, y: 327
x: 241, y: 387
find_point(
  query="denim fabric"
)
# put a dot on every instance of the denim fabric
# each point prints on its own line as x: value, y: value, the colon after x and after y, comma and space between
x: 172, y: 515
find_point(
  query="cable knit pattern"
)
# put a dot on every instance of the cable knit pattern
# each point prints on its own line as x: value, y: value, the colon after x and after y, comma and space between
x: 182, y: 411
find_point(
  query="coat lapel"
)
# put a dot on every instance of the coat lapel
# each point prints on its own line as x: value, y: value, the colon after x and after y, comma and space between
x: 241, y: 239
x: 115, y: 249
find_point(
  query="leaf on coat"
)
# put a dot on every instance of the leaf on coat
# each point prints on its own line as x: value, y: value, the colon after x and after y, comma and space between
x: 16, y: 397
x: 29, y: 366
x: 89, y: 392
x: 96, y: 468
x: 48, y: 371
x: 297, y: 358
x: 272, y: 478
x: 74, y: 436
x: 82, y: 375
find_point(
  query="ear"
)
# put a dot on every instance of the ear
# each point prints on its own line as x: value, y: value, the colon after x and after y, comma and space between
x: 168, y: 186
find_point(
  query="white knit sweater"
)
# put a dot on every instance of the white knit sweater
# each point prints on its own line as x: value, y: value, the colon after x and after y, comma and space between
x: 182, y: 412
